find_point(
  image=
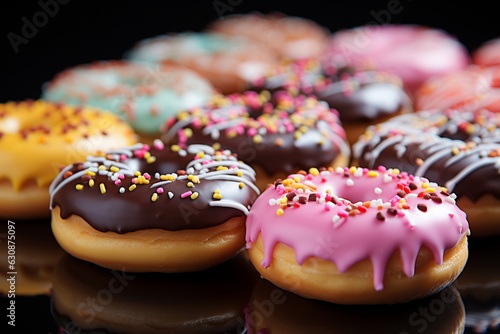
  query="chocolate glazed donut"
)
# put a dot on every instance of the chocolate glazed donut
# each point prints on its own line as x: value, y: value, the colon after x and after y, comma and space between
x: 276, y: 134
x: 361, y: 96
x: 460, y: 150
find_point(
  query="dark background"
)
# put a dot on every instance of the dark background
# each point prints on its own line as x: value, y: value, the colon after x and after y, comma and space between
x: 84, y: 31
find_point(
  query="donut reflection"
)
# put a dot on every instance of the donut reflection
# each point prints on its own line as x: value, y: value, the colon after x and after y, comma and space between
x: 273, y: 310
x: 33, y: 259
x: 87, y: 298
x: 479, y: 285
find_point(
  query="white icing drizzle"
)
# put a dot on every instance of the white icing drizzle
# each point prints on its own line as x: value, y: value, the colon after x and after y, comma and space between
x: 230, y: 204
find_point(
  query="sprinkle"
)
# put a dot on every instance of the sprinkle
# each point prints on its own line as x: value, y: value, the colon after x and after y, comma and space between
x: 90, y: 173
x: 241, y: 185
x: 79, y: 187
x: 190, y: 184
x: 349, y: 182
x: 377, y: 190
x: 372, y: 173
x: 194, y: 195
x: 278, y: 142
x: 392, y: 211
x: 279, y: 212
x: 175, y: 148
x: 158, y: 144
x: 425, y: 185
x: 422, y: 207
x: 430, y: 190
x: 160, y: 190
x: 132, y: 187
x: 380, y: 216
x: 68, y: 174
x: 186, y: 194
x: 222, y: 168
x: 102, y: 187
x: 154, y: 197
x: 91, y: 183
x: 312, y: 197
x: 122, y: 190
x: 449, y: 200
x: 419, y: 161
x: 314, y: 171
x: 257, y: 139
x: 170, y: 194
x: 114, y: 169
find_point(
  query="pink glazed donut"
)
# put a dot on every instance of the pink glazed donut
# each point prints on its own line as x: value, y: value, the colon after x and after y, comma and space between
x: 414, y: 53
x: 471, y: 89
x: 357, y: 236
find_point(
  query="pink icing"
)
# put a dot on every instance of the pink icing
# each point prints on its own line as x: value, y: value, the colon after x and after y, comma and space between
x: 415, y: 53
x: 326, y: 230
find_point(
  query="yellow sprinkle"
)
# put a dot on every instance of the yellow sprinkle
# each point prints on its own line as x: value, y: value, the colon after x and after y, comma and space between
x: 91, y: 183
x: 216, y: 191
x: 101, y: 167
x: 402, y: 201
x: 283, y: 200
x: 132, y: 187
x: 425, y: 185
x: 90, y: 173
x: 303, y: 128
x: 190, y: 177
x: 395, y: 171
x: 217, y: 196
x: 242, y: 185
x: 443, y: 189
x: 430, y: 190
x: 188, y: 132
x: 114, y: 169
x: 102, y: 187
x: 147, y: 155
x: 328, y: 191
x: 154, y: 197
x: 297, y: 135
x: 353, y: 169
x: 182, y: 115
x: 216, y: 146
x: 455, y: 150
x: 240, y: 173
x: 313, y: 171
x: 288, y: 182
x: 279, y: 212
x: 200, y: 154
x: 296, y: 179
x: 222, y: 168
x: 257, y: 139
x: 175, y: 148
x: 166, y: 177
x: 137, y: 173
x: 79, y: 187
x: 151, y: 160
x: 190, y: 184
x: 194, y: 195
x: 372, y: 173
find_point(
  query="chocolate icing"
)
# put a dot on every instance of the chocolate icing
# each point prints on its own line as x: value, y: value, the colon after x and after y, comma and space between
x: 457, y: 149
x: 135, y: 210
x: 359, y: 95
x: 261, y: 121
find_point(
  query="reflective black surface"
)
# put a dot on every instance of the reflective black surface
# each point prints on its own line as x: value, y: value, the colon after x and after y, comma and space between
x: 57, y: 293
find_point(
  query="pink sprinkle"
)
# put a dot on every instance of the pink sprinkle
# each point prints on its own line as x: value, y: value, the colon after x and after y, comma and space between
x: 158, y: 144
x: 281, y: 189
x: 186, y: 194
x: 206, y: 162
x: 117, y: 182
x: 327, y: 208
x: 252, y: 132
x: 196, y: 123
x: 328, y: 197
x: 133, y: 180
x: 121, y: 176
x: 343, y: 214
x: 401, y: 213
x: 451, y: 215
x: 309, y: 177
x: 289, y: 127
x: 145, y: 147
x: 147, y: 176
x: 233, y: 167
x: 159, y: 190
x: 365, y: 171
x: 139, y: 153
x: 411, y: 177
x: 382, y: 169
x: 123, y: 157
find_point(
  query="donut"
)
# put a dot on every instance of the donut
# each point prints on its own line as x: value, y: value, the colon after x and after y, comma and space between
x: 277, y: 311
x: 457, y: 149
x: 275, y: 134
x: 153, y: 208
x: 488, y: 54
x: 357, y: 236
x: 39, y: 137
x: 143, y: 95
x: 361, y: 96
x: 226, y: 61
x: 472, y: 88
x: 211, y: 301
x: 414, y: 53
x: 289, y: 36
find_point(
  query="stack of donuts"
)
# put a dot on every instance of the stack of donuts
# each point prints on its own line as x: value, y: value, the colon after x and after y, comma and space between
x: 350, y: 170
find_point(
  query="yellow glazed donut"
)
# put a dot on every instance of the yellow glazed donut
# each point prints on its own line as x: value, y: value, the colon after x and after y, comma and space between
x: 154, y: 208
x: 36, y: 139
x: 357, y: 236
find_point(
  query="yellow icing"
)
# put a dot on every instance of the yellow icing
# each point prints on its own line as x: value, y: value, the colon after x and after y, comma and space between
x: 55, y: 136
